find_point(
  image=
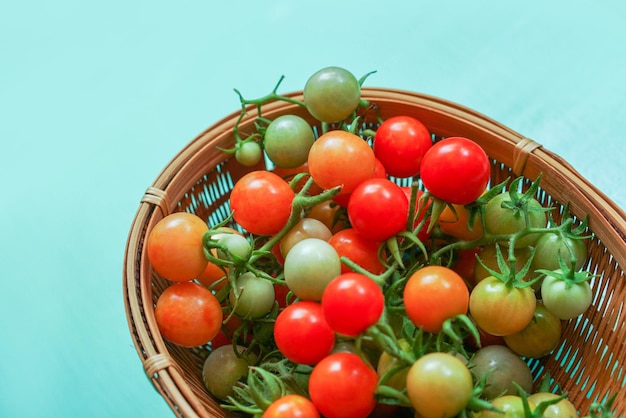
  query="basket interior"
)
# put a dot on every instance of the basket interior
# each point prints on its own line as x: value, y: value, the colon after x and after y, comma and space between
x: 588, y: 364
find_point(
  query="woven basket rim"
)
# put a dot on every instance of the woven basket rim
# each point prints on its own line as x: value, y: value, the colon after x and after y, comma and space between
x: 527, y: 157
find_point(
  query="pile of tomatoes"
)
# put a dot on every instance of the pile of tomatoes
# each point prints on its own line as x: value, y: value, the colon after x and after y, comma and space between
x: 371, y: 271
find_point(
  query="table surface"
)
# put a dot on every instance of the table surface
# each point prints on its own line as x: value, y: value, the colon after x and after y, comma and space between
x: 96, y: 98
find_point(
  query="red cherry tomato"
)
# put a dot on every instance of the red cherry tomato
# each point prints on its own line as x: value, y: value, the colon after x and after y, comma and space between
x: 434, y: 294
x: 378, y: 209
x: 188, y: 314
x: 261, y: 202
x: 400, y: 144
x: 456, y: 170
x: 342, y: 385
x: 175, y: 247
x: 302, y: 334
x: 352, y: 302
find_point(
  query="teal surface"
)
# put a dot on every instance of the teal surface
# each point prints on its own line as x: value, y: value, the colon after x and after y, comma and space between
x: 97, y: 97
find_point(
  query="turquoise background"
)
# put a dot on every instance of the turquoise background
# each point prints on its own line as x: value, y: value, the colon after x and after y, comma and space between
x: 97, y: 97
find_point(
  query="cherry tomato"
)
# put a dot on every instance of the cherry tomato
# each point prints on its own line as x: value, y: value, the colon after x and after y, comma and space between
x: 256, y: 296
x: 563, y: 299
x: 465, y: 264
x: 503, y: 368
x: 548, y: 248
x: 213, y: 276
x: 309, y: 266
x: 248, y: 153
x: 291, y: 406
x: 500, y: 309
x: 287, y: 141
x: 539, y: 337
x: 512, y: 406
x: 261, y: 202
x: 456, y: 170
x: 340, y: 158
x: 434, y: 294
x: 352, y: 302
x: 223, y: 368
x: 302, y: 333
x: 562, y: 409
x: 352, y: 245
x: 188, y: 314
x: 332, y: 94
x: 501, y: 219
x: 378, y: 209
x: 175, y: 247
x: 439, y: 385
x: 400, y: 144
x: 342, y: 385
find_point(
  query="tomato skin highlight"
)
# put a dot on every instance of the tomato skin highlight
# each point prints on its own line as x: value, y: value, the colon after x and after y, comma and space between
x: 188, y: 314
x: 456, y: 170
x: 248, y: 201
x: 400, y: 144
x: 342, y: 386
x: 434, y: 294
x: 302, y: 333
x: 175, y: 248
x: 352, y: 302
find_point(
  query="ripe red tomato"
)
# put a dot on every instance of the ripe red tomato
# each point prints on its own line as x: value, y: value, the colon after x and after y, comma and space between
x: 400, y: 144
x: 342, y: 385
x: 456, y: 170
x: 302, y: 334
x: 291, y: 406
x: 188, y: 314
x: 352, y: 302
x: 434, y: 294
x: 352, y: 245
x: 340, y: 158
x: 175, y: 247
x: 378, y: 209
x: 261, y: 202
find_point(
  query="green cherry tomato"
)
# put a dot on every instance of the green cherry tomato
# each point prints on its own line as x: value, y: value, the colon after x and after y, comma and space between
x: 222, y: 369
x: 540, y: 336
x: 550, y: 246
x: 287, y: 141
x: 500, y: 219
x: 332, y: 94
x: 309, y: 266
x: 256, y: 296
x: 248, y: 153
x: 565, y: 300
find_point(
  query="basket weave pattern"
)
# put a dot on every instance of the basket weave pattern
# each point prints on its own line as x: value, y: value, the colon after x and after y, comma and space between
x: 589, y: 364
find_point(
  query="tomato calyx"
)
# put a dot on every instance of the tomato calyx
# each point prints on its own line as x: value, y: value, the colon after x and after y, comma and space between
x: 508, y: 273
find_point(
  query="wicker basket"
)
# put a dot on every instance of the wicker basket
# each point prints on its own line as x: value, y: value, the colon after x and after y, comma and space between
x: 589, y: 364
